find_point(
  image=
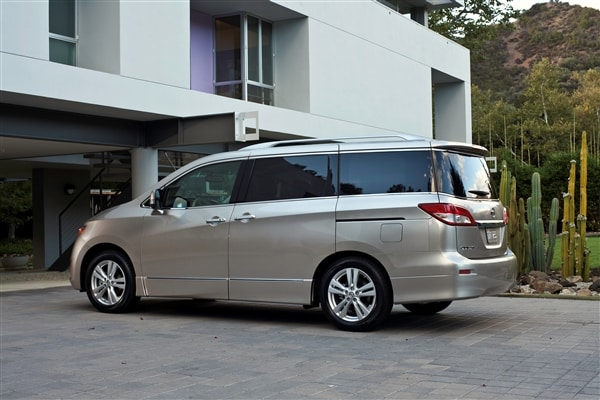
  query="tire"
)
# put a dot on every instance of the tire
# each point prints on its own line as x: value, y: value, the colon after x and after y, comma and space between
x: 427, y: 308
x: 355, y: 295
x: 110, y: 283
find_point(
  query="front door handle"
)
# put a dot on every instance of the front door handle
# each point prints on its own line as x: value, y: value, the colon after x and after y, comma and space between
x: 214, y: 221
x: 245, y: 218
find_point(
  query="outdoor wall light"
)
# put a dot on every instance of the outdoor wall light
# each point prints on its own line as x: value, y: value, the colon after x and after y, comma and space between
x: 69, y: 189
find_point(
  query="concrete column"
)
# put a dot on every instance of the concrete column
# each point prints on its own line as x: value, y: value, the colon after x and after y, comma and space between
x: 144, y: 169
x: 452, y: 103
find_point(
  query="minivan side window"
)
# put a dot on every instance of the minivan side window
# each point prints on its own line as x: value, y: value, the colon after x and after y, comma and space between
x: 209, y: 185
x: 385, y: 172
x: 293, y: 177
x: 463, y: 175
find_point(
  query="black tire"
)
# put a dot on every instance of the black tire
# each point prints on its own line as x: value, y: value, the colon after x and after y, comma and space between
x: 427, y: 308
x: 110, y: 283
x: 355, y: 294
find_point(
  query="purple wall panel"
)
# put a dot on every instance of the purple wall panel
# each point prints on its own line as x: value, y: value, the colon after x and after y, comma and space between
x: 201, y: 52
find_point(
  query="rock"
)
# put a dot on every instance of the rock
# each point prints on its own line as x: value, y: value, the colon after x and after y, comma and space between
x: 543, y: 286
x: 538, y: 274
x: 566, y: 283
x: 574, y: 279
x: 595, y: 286
x: 584, y: 292
x: 568, y: 292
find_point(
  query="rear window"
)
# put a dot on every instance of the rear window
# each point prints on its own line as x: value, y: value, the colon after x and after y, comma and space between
x: 385, y: 172
x: 463, y: 175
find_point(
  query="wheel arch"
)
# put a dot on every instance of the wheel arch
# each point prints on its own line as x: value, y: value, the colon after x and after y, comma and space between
x: 93, y: 252
x: 328, y: 261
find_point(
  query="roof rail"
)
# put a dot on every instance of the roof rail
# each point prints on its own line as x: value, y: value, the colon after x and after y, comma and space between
x: 356, y: 139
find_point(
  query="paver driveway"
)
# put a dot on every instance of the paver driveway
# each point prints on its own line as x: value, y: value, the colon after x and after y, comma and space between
x: 54, y: 345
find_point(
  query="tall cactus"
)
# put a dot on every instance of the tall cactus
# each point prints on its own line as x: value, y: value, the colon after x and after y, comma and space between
x: 582, y: 250
x: 535, y: 224
x: 568, y: 226
x: 518, y: 238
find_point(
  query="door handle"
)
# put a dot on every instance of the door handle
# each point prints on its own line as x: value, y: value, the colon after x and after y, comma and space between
x: 214, y: 221
x: 245, y: 218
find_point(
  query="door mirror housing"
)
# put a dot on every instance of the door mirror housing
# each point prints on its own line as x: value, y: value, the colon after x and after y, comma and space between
x: 155, y: 199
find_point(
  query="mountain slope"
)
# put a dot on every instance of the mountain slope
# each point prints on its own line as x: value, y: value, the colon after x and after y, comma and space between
x: 567, y: 35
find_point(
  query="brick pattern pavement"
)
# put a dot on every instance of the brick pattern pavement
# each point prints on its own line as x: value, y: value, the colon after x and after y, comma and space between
x: 54, y: 345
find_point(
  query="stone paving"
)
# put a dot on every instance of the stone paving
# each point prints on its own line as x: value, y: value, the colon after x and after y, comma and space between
x: 54, y: 345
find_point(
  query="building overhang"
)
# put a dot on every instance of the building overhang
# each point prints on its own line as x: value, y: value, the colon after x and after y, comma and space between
x: 405, y: 6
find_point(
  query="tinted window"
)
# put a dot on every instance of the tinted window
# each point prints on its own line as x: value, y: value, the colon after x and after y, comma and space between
x: 209, y: 185
x: 463, y: 175
x: 385, y: 172
x: 292, y: 177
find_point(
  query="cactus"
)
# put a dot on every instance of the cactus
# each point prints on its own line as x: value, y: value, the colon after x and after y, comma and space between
x: 568, y: 241
x: 552, y: 223
x: 535, y: 224
x: 518, y: 240
x: 582, y: 250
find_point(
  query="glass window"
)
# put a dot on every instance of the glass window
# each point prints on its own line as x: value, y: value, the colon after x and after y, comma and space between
x: 228, y: 49
x: 463, y: 175
x: 204, y: 186
x: 293, y: 177
x: 385, y: 172
x: 63, y: 31
x: 62, y: 51
x: 62, y: 17
x: 244, y: 58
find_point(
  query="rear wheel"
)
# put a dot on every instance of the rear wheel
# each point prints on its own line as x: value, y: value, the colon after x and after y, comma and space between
x: 355, y: 294
x: 110, y: 282
x: 427, y: 308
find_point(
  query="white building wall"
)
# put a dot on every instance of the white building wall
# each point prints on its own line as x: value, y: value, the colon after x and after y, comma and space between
x: 291, y: 66
x: 373, y: 66
x: 24, y: 28
x: 155, y: 41
x: 99, y: 31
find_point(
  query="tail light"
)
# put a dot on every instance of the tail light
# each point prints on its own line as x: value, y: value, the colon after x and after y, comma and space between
x: 505, y: 216
x: 449, y: 213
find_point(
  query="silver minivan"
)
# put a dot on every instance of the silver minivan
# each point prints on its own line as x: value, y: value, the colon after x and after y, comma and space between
x: 353, y: 225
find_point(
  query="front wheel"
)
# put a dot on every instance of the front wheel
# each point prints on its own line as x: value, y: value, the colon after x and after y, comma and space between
x: 110, y: 282
x: 427, y: 308
x: 355, y: 294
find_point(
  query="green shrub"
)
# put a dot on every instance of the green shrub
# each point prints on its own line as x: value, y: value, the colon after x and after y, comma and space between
x: 14, y: 247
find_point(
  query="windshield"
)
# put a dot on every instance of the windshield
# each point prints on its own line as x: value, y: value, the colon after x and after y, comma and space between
x: 463, y: 175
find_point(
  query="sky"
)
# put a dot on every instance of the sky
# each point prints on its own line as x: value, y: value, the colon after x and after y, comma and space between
x: 526, y: 4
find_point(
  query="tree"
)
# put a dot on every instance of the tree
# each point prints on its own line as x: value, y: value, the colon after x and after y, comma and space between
x: 546, y: 113
x: 586, y: 105
x: 15, y: 200
x: 473, y: 21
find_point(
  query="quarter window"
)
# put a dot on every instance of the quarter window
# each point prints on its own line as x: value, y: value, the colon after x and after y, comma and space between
x: 385, y: 172
x: 293, y: 177
x: 244, y: 58
x: 63, y: 31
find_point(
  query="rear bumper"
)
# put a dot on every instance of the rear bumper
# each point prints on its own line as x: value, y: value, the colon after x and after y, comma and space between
x: 455, y: 278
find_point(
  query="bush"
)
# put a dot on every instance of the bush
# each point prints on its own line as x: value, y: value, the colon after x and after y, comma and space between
x: 16, y: 247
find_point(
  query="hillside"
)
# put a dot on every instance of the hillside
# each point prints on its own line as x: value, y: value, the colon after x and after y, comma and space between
x: 569, y: 35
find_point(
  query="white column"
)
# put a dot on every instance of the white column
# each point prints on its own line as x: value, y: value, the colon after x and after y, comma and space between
x: 144, y: 169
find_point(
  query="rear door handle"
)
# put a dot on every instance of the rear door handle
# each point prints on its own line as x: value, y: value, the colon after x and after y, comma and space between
x: 245, y: 218
x: 214, y: 221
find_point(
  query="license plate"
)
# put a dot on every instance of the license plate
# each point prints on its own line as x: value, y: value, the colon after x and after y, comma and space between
x: 492, y: 236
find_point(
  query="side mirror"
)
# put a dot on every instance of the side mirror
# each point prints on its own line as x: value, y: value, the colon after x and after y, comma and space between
x: 155, y: 199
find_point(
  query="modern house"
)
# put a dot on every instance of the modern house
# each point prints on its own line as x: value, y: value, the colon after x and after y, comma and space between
x: 126, y: 91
